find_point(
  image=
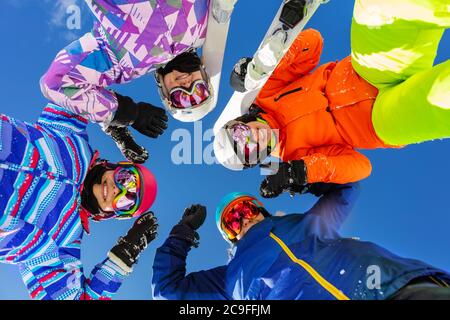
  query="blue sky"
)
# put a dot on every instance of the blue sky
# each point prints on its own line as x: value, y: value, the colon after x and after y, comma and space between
x: 404, y: 205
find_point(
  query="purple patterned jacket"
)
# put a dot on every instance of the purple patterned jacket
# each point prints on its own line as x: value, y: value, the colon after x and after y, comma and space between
x: 130, y: 39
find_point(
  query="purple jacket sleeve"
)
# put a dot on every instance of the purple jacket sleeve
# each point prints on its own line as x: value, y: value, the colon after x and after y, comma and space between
x: 78, y: 77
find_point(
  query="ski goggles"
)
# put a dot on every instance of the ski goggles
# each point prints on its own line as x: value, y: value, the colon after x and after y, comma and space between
x: 182, y: 98
x: 231, y: 220
x: 245, y: 145
x: 128, y: 181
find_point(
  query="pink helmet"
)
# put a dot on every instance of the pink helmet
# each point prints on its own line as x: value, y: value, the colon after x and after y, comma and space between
x: 149, y: 189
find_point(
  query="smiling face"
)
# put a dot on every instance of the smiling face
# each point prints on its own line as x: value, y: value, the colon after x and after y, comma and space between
x: 247, y: 224
x: 106, y: 191
x: 181, y: 79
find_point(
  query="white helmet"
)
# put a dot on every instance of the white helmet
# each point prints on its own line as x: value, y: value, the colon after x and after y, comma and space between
x: 192, y: 114
x: 225, y: 152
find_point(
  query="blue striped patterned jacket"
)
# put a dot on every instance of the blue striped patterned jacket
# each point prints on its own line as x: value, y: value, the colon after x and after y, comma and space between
x: 42, y: 167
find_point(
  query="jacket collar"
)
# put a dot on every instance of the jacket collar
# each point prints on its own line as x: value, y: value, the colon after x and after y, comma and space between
x: 84, y: 217
x: 84, y: 214
x: 274, y: 125
x: 255, y: 234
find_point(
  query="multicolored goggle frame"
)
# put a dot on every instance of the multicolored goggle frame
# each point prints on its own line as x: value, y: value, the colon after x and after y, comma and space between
x: 182, y: 98
x: 128, y: 181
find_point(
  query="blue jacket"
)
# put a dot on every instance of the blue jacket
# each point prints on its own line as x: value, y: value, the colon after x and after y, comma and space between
x: 297, y: 256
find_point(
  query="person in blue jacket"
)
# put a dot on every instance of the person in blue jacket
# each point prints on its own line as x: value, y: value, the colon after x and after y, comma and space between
x: 291, y: 257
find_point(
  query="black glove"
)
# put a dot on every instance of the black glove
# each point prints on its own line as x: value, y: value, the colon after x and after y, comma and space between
x: 126, y: 144
x: 144, y: 117
x: 237, y: 78
x: 128, y: 248
x: 290, y: 177
x: 192, y: 219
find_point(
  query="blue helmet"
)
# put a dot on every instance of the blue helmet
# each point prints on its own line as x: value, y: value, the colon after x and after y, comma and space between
x: 233, y: 197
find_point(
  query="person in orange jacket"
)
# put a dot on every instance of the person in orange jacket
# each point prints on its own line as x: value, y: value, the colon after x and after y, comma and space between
x: 313, y: 120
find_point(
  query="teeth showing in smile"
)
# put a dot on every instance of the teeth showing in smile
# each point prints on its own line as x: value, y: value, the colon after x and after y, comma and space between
x: 105, y: 190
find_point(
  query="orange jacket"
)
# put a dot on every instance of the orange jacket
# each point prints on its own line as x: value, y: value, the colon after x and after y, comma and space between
x: 322, y: 115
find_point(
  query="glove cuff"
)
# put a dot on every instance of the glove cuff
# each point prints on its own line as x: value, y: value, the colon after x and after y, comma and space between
x: 126, y: 113
x: 298, y: 172
x: 124, y: 255
x: 184, y: 232
x: 118, y: 261
x: 319, y: 188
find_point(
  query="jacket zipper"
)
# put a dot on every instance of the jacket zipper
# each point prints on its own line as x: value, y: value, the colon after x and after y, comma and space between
x: 338, y: 294
x: 288, y: 93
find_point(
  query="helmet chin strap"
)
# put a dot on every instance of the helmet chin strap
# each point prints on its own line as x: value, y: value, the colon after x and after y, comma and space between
x: 264, y: 212
x: 103, y: 215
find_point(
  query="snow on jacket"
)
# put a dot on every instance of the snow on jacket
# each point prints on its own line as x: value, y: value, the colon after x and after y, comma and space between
x: 42, y: 167
x: 130, y: 39
x: 322, y: 115
x: 294, y: 257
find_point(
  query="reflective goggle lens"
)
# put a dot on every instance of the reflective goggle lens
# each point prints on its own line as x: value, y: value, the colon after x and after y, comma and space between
x: 232, y: 217
x: 128, y: 182
x: 242, y: 136
x: 183, y: 98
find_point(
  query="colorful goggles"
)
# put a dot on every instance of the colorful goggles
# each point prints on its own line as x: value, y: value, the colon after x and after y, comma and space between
x: 182, y: 98
x: 231, y: 220
x: 127, y: 202
x: 242, y: 136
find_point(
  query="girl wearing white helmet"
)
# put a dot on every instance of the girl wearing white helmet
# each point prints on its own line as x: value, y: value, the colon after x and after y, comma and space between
x: 131, y: 39
x: 185, y: 88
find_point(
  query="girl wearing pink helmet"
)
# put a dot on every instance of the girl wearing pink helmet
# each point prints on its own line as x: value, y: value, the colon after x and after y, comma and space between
x: 117, y: 190
x: 52, y: 183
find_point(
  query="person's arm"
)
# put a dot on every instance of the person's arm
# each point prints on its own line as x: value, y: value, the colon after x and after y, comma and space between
x: 58, y: 275
x: 336, y: 164
x: 54, y: 273
x: 171, y: 282
x: 77, y: 80
x: 78, y: 77
x: 333, y: 207
x: 51, y: 272
x: 169, y: 269
x: 329, y: 164
x: 302, y: 57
